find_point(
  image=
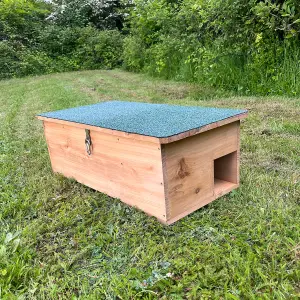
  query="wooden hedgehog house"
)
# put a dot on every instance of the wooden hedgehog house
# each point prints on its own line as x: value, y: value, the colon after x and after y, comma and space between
x: 166, y: 160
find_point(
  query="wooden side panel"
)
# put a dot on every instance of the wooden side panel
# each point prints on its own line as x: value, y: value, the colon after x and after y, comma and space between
x: 189, y: 169
x: 121, y: 167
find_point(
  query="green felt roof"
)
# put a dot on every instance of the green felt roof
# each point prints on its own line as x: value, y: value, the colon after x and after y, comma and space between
x: 157, y: 120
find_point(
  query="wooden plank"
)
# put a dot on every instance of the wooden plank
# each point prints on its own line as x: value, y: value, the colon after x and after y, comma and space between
x: 189, y: 167
x: 202, y: 202
x: 103, y: 130
x: 238, y: 154
x: 128, y: 169
x: 222, y: 187
x: 163, y: 140
x: 165, y: 177
x: 202, y: 129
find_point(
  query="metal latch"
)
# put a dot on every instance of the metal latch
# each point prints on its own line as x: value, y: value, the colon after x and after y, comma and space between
x: 88, y: 142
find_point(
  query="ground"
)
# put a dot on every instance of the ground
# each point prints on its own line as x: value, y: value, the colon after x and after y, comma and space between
x: 62, y: 240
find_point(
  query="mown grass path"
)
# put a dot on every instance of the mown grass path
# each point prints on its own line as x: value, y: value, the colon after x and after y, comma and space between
x: 62, y: 240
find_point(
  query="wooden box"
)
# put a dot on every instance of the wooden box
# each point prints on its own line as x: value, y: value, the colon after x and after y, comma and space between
x: 166, y: 160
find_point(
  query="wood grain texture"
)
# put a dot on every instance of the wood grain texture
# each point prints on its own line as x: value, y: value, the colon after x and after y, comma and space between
x: 124, y: 168
x: 202, y: 129
x: 189, y: 170
x: 238, y: 153
x: 167, y: 181
x: 163, y: 140
x: 112, y: 132
x: 222, y: 187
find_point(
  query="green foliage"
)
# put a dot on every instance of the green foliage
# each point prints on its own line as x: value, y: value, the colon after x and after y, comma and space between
x: 58, y: 40
x: 21, y: 20
x: 249, y: 47
x: 134, y: 53
x: 32, y: 44
x: 243, y: 46
x: 282, y: 17
x: 99, y: 49
x: 8, y: 60
x: 62, y: 49
x: 103, y: 14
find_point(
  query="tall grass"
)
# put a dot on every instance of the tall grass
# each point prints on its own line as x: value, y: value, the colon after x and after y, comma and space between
x: 245, y: 74
x: 272, y: 69
x: 278, y: 76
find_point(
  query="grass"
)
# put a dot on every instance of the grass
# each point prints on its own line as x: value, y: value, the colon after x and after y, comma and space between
x: 62, y: 240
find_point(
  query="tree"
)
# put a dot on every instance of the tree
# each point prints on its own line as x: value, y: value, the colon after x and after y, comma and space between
x: 20, y: 20
x: 103, y: 14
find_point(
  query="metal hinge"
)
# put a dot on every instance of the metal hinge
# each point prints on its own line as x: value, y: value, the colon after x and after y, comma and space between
x: 88, y: 142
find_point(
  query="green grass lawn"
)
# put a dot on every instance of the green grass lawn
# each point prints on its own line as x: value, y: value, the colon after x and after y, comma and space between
x: 62, y: 240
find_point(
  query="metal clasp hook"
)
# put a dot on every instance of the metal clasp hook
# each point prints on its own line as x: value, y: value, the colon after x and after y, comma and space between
x: 88, y: 141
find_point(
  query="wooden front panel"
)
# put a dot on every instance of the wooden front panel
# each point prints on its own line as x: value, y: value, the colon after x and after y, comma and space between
x: 121, y: 167
x: 189, y: 168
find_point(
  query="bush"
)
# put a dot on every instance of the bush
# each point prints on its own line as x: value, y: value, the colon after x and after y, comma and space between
x: 57, y: 40
x: 62, y: 49
x: 134, y: 53
x: 33, y: 62
x: 164, y: 58
x: 20, y: 61
x: 246, y: 46
x: 32, y: 43
x: 99, y: 49
x: 21, y: 20
x: 8, y: 60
